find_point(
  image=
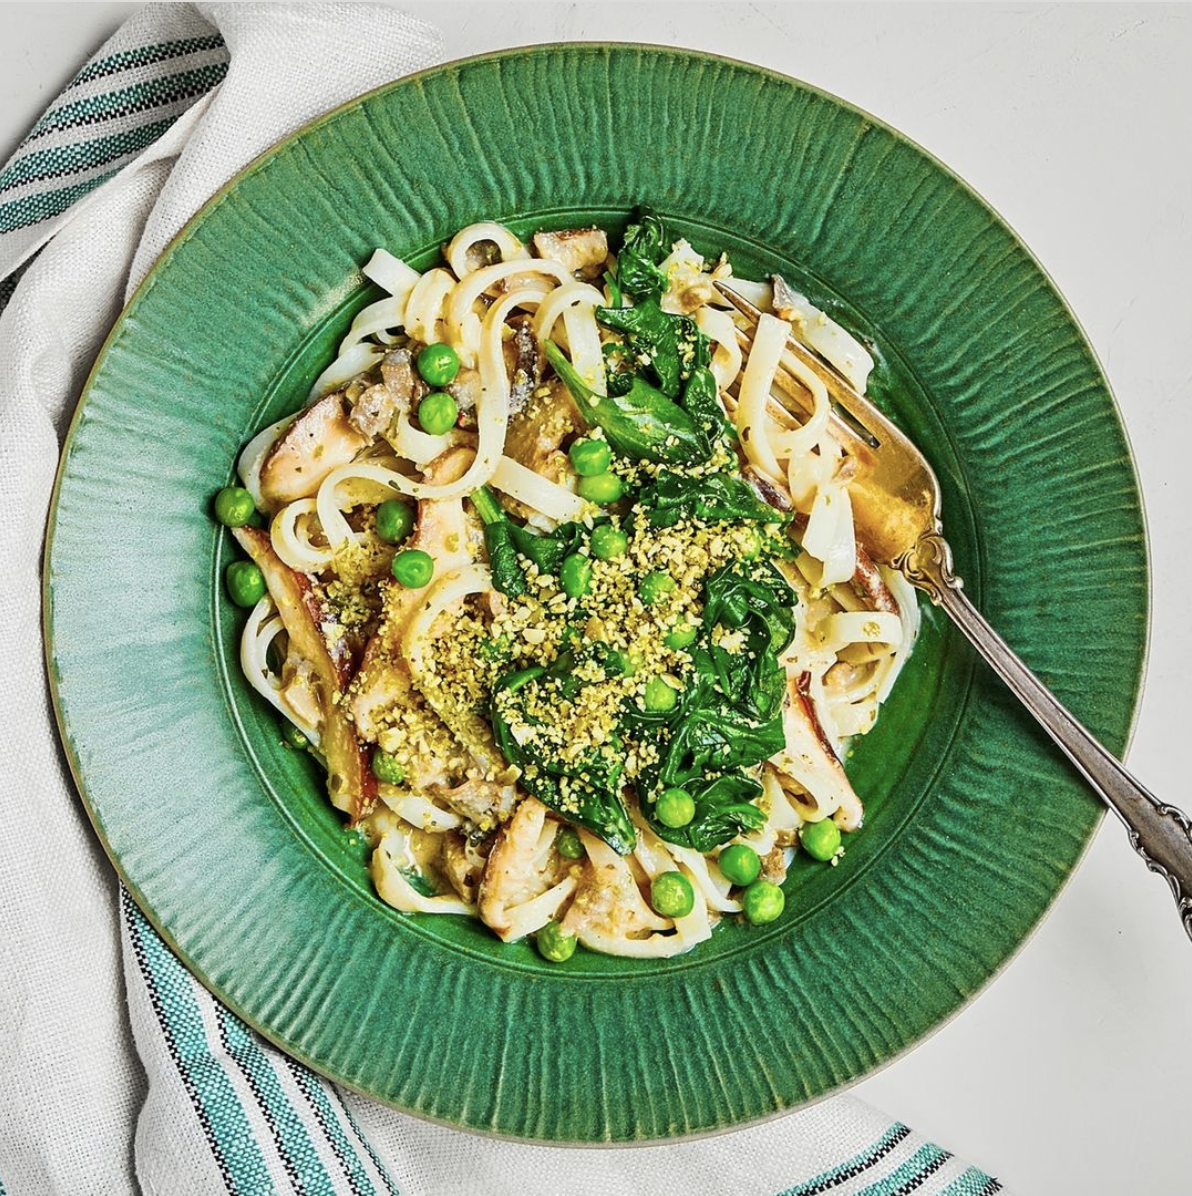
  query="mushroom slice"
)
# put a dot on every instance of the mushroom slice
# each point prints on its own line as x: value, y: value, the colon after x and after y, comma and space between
x: 401, y: 379
x: 482, y: 802
x: 320, y: 440
x: 871, y: 587
x: 583, y: 251
x: 350, y: 782
x: 524, y: 883
x: 375, y: 411
x: 769, y: 491
x: 808, y: 759
x: 525, y: 364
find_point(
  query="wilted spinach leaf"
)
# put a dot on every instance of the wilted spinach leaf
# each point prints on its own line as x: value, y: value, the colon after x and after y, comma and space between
x: 547, y: 549
x: 506, y: 540
x: 729, y: 719
x: 646, y: 244
x: 642, y: 423
x: 701, y: 400
x: 713, y: 497
x: 593, y: 783
x: 507, y: 572
x: 756, y: 597
x: 669, y: 347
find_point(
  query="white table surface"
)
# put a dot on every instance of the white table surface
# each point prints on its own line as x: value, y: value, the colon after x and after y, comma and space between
x: 1070, y: 1073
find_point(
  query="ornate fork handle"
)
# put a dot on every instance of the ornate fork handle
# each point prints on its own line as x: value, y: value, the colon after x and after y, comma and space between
x: 1161, y: 834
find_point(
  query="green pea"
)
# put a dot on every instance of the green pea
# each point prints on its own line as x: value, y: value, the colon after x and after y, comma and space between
x: 660, y: 697
x: 437, y: 413
x: 740, y: 864
x: 569, y: 845
x: 413, y: 568
x: 555, y: 944
x: 681, y: 635
x: 608, y: 542
x: 654, y: 586
x: 671, y: 895
x: 821, y: 840
x: 293, y: 736
x: 751, y: 546
x: 438, y: 364
x: 763, y: 902
x: 674, y: 808
x: 246, y: 583
x: 234, y: 506
x: 395, y: 521
x: 498, y: 648
x: 575, y: 575
x: 387, y: 769
x: 590, y: 457
x: 602, y: 488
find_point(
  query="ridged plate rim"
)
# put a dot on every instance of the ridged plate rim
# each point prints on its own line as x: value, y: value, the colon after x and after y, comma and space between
x: 1116, y: 719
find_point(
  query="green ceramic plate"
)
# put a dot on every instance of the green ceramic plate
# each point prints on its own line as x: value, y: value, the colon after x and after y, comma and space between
x: 974, y: 821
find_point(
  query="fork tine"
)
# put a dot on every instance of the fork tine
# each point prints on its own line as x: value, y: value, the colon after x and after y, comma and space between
x: 747, y: 309
x: 784, y: 382
x: 857, y: 415
x: 777, y: 410
x: 847, y: 429
x: 895, y: 493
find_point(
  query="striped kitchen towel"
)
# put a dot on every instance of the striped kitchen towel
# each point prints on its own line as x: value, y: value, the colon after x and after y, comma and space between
x: 117, y: 106
x: 118, y: 1071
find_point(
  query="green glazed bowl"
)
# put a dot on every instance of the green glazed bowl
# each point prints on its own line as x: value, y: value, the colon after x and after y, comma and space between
x: 973, y: 820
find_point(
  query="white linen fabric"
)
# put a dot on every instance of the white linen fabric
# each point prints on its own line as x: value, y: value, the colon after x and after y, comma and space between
x: 118, y: 1071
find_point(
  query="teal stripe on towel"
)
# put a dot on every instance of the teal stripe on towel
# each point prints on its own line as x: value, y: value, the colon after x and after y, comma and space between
x: 142, y: 56
x: 140, y: 97
x: 345, y: 1152
x: 217, y: 1106
x: 974, y: 1182
x: 855, y: 1166
x: 33, y: 209
x: 63, y: 160
x: 298, y: 1154
x: 926, y: 1160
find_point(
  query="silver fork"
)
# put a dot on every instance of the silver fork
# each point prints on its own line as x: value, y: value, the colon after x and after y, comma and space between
x: 896, y: 504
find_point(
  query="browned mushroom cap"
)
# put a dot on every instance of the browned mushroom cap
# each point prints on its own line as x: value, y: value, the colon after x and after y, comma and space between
x: 320, y: 440
x: 785, y: 298
x: 401, y: 378
x: 583, y: 251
